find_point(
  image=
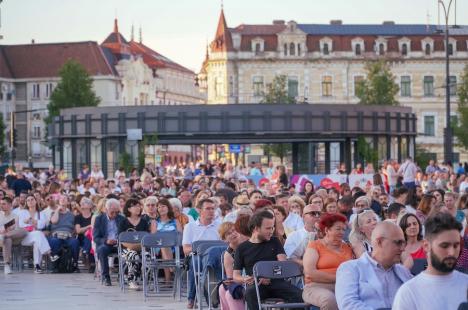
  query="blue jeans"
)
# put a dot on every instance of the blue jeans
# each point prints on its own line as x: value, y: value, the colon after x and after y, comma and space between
x: 56, y: 244
x: 410, y: 185
x: 103, y: 252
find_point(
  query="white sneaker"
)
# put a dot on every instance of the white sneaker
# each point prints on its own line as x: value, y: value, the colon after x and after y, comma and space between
x: 7, y: 269
x: 133, y: 286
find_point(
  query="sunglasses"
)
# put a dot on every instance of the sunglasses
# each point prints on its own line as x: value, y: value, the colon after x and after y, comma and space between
x: 314, y: 213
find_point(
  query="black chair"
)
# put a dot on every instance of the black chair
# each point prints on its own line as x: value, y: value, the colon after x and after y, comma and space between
x: 150, y: 245
x: 132, y: 237
x: 277, y: 270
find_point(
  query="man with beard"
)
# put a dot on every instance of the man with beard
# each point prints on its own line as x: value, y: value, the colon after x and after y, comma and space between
x: 440, y: 286
x: 262, y: 247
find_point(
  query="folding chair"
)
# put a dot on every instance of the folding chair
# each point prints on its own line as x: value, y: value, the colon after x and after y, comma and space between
x: 132, y: 237
x: 197, y: 249
x: 150, y: 245
x: 277, y: 270
x: 212, y: 268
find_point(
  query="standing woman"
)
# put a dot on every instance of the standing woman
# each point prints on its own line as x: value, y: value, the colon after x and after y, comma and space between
x: 133, y: 222
x: 412, y: 230
x: 283, y: 177
x: 31, y: 220
x: 167, y: 222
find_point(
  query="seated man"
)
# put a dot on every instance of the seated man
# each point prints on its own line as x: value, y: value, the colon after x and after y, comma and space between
x: 204, y: 228
x: 371, y: 282
x: 10, y: 232
x: 105, y: 236
x: 62, y: 229
x: 297, y: 241
x: 262, y: 247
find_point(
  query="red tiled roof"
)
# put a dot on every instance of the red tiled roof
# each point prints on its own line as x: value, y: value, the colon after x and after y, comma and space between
x: 223, y: 38
x: 5, y: 71
x: 45, y: 60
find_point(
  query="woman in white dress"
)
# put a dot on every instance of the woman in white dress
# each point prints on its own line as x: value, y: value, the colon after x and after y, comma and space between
x: 31, y: 220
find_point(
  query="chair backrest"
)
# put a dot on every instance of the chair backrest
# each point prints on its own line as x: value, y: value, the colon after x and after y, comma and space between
x: 132, y: 236
x: 205, y: 243
x: 205, y: 248
x: 419, y: 265
x: 276, y: 270
x: 161, y: 239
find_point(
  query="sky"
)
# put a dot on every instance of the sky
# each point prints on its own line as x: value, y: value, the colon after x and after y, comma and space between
x: 180, y: 29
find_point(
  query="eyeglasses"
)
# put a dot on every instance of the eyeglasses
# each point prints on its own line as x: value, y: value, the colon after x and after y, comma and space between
x: 314, y: 213
x: 316, y: 201
x: 399, y: 243
x: 361, y: 205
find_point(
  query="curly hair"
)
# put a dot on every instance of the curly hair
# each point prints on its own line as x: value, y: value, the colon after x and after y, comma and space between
x: 328, y: 220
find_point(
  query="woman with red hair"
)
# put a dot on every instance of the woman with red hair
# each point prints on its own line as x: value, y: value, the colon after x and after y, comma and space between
x: 321, y: 260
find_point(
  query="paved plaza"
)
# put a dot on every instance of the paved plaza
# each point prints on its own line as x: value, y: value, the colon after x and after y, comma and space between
x: 72, y: 291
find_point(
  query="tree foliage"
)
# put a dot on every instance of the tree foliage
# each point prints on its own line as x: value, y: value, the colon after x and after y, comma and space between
x: 75, y: 89
x: 379, y: 87
x: 147, y: 140
x: 277, y: 91
x: 280, y: 150
x: 366, y: 152
x: 461, y: 129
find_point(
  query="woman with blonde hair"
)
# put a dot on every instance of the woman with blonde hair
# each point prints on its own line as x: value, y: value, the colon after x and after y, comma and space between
x: 296, y: 204
x: 361, y: 232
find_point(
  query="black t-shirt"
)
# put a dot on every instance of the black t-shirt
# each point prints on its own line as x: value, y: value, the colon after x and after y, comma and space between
x: 82, y: 221
x: 248, y: 253
x: 125, y: 225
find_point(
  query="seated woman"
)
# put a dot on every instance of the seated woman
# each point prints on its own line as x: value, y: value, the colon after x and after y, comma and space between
x: 321, y: 260
x: 31, y: 220
x: 227, y: 232
x: 82, y: 225
x: 412, y: 229
x: 167, y: 222
x: 280, y: 231
x: 361, y: 232
x: 134, y: 222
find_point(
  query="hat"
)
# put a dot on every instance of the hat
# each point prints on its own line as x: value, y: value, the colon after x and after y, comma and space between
x: 263, y: 181
x: 241, y: 200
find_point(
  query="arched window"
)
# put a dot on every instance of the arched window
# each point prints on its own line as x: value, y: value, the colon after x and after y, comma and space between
x: 358, y: 49
x: 404, y: 49
x: 257, y: 48
x: 450, y: 49
x: 428, y: 49
x: 298, y: 49
x: 292, y: 49
x: 326, y: 50
x: 285, y: 49
x: 381, y: 49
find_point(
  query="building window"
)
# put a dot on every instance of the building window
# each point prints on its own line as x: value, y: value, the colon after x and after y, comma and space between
x: 358, y: 49
x: 327, y: 86
x: 257, y: 85
x: 231, y: 86
x: 453, y: 85
x: 404, y: 49
x: 357, y: 80
x: 292, y: 49
x: 298, y: 49
x: 49, y: 89
x: 405, y: 86
x: 285, y: 47
x: 429, y: 86
x: 36, y: 91
x: 258, y: 48
x: 326, y: 50
x: 293, y: 87
x: 381, y: 49
x: 37, y: 132
x: 218, y: 87
x: 450, y: 49
x: 427, y: 49
x: 429, y: 125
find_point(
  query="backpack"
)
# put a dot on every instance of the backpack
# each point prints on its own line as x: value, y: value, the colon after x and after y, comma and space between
x: 65, y: 263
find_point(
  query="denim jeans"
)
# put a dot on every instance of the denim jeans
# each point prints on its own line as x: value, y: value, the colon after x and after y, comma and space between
x: 73, y: 243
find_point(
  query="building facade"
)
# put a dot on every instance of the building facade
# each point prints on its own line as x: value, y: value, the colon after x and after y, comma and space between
x: 324, y: 62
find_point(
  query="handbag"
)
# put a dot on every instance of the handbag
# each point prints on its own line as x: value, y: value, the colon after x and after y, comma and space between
x: 29, y: 228
x: 63, y: 235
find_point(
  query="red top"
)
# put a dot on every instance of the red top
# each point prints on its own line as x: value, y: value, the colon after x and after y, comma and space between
x: 419, y: 253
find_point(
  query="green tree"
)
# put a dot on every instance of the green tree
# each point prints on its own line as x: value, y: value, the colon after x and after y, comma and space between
x: 125, y: 161
x: 3, y: 148
x: 280, y: 150
x: 75, y: 89
x: 422, y: 157
x: 366, y: 152
x: 277, y: 91
x: 379, y: 88
x: 461, y: 129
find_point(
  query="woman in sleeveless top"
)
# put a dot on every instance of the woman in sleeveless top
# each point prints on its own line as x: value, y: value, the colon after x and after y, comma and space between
x: 412, y: 229
x: 361, y: 231
x: 321, y: 260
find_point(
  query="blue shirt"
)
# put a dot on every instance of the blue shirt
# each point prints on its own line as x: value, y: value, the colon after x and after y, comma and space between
x: 112, y: 230
x: 167, y: 226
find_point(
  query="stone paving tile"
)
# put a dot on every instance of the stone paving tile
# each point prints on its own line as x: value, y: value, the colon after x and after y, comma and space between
x: 73, y: 292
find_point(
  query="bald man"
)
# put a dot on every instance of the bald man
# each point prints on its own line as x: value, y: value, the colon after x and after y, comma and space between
x: 371, y: 282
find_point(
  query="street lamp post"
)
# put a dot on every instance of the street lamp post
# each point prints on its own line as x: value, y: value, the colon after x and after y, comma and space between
x: 448, y: 140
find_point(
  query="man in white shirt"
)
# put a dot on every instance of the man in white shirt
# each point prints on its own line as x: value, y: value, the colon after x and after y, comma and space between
x: 392, y: 175
x: 440, y: 286
x: 372, y: 281
x: 297, y: 241
x: 408, y: 171
x: 205, y: 228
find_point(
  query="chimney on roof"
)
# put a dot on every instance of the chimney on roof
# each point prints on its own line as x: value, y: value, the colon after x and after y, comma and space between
x: 388, y: 22
x: 336, y: 22
x: 33, y: 41
x: 116, y: 26
x: 278, y: 22
x: 141, y: 36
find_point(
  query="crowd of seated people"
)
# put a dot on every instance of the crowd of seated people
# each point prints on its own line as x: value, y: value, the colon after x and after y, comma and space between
x: 359, y: 246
